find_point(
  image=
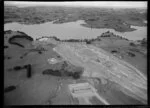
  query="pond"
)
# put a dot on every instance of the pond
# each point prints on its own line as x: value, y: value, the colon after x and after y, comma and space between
x: 72, y: 30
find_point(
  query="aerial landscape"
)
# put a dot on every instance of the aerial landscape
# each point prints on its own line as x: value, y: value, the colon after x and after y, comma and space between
x: 65, y: 53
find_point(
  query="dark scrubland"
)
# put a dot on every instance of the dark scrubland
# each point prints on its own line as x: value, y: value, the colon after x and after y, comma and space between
x: 118, y: 19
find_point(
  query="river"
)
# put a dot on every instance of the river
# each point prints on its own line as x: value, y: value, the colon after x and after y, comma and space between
x: 72, y: 30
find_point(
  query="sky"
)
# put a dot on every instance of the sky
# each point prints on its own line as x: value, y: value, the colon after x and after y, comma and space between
x: 113, y: 4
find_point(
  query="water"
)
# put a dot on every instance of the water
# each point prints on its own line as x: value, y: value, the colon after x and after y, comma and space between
x: 72, y: 30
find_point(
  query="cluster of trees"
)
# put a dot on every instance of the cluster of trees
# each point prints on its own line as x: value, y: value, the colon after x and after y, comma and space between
x: 109, y: 34
x: 88, y: 41
x: 12, y: 39
x: 27, y: 67
x: 65, y: 71
x: 61, y: 73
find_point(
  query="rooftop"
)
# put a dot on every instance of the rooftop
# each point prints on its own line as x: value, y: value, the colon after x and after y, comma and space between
x: 82, y: 90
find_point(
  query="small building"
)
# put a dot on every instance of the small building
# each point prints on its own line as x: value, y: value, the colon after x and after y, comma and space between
x: 82, y: 90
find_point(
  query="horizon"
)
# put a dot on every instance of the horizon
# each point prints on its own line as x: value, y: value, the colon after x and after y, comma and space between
x: 98, y: 4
